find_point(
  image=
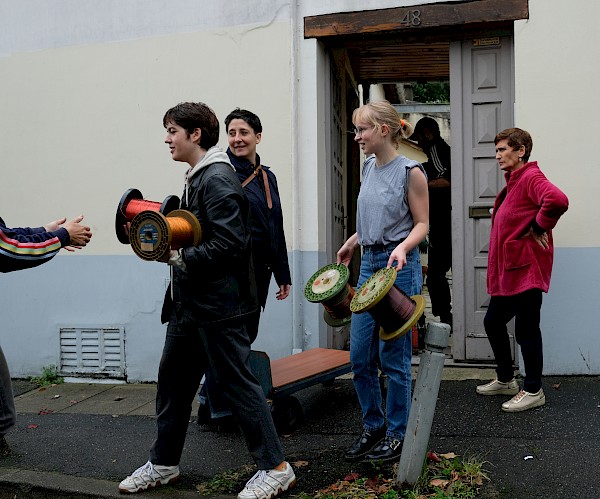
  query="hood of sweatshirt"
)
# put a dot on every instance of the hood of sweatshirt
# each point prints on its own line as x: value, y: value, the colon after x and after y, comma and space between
x: 214, y: 155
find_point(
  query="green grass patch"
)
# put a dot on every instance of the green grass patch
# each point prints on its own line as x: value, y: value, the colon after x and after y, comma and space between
x: 444, y: 477
x: 50, y: 376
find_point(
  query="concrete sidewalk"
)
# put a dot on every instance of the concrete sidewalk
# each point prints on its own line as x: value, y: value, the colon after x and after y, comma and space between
x: 81, y: 439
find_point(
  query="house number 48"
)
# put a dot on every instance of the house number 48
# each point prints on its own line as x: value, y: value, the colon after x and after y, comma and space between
x: 412, y: 18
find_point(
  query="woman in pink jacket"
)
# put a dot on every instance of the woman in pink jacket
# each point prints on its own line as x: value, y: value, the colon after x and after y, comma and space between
x: 519, y: 267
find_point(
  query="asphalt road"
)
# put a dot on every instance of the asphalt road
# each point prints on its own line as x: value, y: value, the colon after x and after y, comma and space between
x: 546, y: 453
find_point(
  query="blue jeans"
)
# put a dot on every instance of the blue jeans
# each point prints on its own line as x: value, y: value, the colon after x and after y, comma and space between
x: 394, y: 357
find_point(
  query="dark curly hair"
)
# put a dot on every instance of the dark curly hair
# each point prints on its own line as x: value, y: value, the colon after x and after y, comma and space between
x: 192, y: 115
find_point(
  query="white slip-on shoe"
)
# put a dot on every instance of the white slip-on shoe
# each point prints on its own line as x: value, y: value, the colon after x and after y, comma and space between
x: 499, y: 388
x: 524, y: 400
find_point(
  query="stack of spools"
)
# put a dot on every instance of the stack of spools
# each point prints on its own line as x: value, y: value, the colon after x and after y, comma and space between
x: 155, y: 229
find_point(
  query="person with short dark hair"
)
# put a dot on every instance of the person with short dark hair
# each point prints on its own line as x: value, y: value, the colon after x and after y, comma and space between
x: 23, y: 248
x: 520, y: 258
x: 269, y: 249
x: 439, y: 252
x: 207, y: 306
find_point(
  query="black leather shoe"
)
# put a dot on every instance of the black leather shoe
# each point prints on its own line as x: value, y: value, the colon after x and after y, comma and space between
x: 364, y: 444
x: 388, y: 449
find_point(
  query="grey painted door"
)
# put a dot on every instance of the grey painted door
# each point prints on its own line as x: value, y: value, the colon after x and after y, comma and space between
x: 482, y: 97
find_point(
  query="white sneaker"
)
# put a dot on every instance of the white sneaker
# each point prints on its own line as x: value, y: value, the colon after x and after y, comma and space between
x: 499, y: 388
x: 149, y: 476
x: 524, y: 400
x: 267, y: 484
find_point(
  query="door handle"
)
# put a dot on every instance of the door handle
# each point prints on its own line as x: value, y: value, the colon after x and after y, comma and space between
x: 480, y: 211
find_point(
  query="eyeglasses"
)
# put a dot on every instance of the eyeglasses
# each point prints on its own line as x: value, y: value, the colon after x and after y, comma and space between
x: 359, y: 131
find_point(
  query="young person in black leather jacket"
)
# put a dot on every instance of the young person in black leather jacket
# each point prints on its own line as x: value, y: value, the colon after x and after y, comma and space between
x: 207, y: 306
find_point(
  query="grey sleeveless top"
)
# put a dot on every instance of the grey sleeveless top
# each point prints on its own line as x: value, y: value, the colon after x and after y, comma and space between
x: 383, y: 215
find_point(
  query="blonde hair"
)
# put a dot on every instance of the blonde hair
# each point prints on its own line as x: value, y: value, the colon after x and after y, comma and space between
x: 383, y: 113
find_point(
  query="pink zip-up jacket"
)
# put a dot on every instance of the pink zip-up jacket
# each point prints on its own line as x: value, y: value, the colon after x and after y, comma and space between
x: 516, y: 263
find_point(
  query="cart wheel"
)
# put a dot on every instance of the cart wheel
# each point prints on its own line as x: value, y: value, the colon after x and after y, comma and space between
x: 287, y: 414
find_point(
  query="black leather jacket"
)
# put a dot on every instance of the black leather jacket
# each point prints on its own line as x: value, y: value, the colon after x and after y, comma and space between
x: 218, y: 282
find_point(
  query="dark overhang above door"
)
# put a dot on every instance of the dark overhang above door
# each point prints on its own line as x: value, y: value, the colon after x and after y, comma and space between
x: 411, y: 43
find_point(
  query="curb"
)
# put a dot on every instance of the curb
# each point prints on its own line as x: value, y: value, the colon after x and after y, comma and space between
x: 18, y: 483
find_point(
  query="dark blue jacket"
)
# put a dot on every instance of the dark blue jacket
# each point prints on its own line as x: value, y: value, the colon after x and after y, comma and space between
x: 268, y: 238
x: 27, y: 247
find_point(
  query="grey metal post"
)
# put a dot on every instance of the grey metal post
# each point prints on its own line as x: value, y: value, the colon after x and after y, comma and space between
x: 422, y: 408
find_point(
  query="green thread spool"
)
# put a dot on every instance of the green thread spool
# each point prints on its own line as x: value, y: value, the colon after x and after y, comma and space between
x: 394, y: 311
x: 329, y: 286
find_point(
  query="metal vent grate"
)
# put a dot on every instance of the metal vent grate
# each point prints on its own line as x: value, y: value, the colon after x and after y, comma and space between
x: 96, y: 352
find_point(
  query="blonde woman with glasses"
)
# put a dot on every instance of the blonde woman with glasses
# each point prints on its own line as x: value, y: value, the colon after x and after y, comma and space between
x: 392, y: 219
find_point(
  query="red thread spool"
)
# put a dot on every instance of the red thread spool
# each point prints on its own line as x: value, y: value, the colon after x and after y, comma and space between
x: 132, y: 203
x: 135, y: 206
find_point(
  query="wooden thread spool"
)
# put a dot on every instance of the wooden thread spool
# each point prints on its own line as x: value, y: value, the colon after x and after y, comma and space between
x: 329, y: 286
x: 394, y: 311
x: 132, y: 203
x: 154, y: 235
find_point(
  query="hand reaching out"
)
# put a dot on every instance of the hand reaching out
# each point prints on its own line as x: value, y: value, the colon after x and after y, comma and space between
x: 79, y: 234
x: 52, y: 226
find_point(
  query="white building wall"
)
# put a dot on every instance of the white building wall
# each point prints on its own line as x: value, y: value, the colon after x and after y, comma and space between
x: 83, y: 91
x: 556, y: 100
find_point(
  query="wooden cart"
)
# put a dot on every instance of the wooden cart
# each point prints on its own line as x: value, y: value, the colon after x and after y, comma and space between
x: 283, y: 377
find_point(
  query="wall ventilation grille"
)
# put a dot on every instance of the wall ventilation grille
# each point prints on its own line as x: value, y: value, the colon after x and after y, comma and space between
x: 92, y: 352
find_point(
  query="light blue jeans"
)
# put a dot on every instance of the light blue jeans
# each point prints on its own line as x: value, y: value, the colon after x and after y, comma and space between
x: 394, y: 357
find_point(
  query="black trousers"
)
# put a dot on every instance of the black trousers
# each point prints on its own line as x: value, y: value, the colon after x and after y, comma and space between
x: 439, y: 262
x: 210, y: 393
x: 187, y: 354
x: 525, y: 308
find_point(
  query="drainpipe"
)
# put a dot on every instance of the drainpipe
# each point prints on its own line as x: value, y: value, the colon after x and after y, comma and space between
x: 297, y: 288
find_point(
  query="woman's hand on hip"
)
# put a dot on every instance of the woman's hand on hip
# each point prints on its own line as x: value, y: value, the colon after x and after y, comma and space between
x: 541, y: 239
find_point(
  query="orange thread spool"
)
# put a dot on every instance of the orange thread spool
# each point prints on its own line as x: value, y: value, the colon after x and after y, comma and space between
x: 182, y: 233
x: 132, y: 203
x: 153, y: 235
